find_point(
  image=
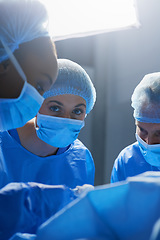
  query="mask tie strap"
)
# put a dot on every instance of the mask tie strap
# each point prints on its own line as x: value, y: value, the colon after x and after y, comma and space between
x: 14, y: 61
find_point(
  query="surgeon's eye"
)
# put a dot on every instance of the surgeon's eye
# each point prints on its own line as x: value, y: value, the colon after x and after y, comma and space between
x: 78, y: 111
x: 54, y: 108
x: 143, y: 131
x: 157, y: 134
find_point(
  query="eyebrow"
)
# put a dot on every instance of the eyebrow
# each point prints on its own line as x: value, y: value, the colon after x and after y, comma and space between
x: 78, y: 105
x: 81, y: 104
x: 56, y: 102
x: 49, y: 78
x: 140, y: 127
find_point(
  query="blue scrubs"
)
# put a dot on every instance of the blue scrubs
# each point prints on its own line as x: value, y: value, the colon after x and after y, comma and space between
x: 71, y: 166
x: 130, y: 162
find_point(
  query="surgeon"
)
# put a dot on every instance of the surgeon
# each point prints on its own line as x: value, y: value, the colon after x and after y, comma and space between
x: 144, y: 154
x: 28, y: 62
x: 46, y: 150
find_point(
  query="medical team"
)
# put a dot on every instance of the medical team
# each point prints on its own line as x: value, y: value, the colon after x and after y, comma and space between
x: 128, y: 209
x: 44, y: 100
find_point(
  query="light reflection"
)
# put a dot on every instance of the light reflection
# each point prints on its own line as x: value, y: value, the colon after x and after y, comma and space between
x: 74, y: 18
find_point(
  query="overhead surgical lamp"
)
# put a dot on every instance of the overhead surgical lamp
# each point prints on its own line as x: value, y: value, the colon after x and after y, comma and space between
x: 79, y: 18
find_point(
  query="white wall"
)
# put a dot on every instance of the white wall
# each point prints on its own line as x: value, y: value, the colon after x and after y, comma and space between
x: 120, y: 60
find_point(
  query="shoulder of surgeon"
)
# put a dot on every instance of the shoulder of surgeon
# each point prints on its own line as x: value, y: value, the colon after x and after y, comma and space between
x: 78, y: 144
x: 129, y: 152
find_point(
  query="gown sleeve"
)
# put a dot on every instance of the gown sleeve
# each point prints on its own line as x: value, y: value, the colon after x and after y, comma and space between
x: 24, y: 206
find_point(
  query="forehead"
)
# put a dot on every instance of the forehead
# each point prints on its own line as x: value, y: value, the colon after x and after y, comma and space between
x: 148, y: 126
x: 39, y: 46
x: 67, y: 99
x: 38, y: 56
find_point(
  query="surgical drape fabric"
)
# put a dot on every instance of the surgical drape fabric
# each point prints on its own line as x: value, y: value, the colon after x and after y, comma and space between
x: 23, y: 236
x: 130, y: 162
x: 123, y: 211
x: 23, y: 207
x: 156, y: 231
x: 73, y: 167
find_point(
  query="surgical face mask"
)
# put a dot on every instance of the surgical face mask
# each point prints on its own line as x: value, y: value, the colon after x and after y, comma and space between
x: 15, y: 112
x: 151, y: 153
x: 56, y: 131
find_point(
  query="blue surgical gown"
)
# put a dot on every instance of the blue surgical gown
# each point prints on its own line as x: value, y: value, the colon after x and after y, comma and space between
x: 71, y: 167
x: 130, y: 162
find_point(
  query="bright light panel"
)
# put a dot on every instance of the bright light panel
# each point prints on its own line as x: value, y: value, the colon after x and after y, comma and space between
x: 76, y: 18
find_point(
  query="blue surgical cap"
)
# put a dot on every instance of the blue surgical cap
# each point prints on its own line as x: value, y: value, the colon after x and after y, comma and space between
x: 146, y: 99
x: 73, y: 79
x: 21, y: 21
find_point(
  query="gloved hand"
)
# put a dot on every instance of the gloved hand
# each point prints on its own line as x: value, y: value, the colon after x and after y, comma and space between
x: 82, y: 189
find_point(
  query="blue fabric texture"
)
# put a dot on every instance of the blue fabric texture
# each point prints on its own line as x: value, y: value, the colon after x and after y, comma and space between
x: 124, y: 211
x: 20, y: 24
x: 73, y: 167
x: 14, y: 134
x: 73, y: 79
x: 150, y: 152
x: 23, y: 236
x: 156, y: 231
x: 24, y: 207
x: 58, y: 131
x: 130, y: 162
x: 16, y: 112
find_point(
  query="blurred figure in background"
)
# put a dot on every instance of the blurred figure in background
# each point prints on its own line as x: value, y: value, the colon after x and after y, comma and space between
x: 143, y: 155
